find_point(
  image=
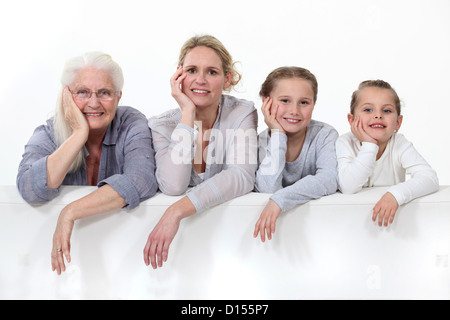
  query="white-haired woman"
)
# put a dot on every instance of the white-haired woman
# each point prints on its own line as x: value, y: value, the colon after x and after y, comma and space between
x: 89, y: 141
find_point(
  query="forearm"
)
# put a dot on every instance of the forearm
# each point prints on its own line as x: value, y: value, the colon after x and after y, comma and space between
x: 306, y: 189
x: 270, y: 172
x: 423, y: 179
x: 157, y: 247
x: 225, y: 185
x: 237, y: 176
x: 354, y: 171
x: 312, y: 183
x: 188, y: 116
x: 102, y: 200
x: 173, y: 156
x: 181, y: 209
x: 415, y: 187
x: 59, y: 162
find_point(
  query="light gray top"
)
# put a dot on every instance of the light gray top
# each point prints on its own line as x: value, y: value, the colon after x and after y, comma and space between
x: 312, y: 175
x: 231, y: 156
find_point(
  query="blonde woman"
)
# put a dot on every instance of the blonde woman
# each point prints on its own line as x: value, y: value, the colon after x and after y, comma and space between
x: 208, y: 143
x: 90, y: 141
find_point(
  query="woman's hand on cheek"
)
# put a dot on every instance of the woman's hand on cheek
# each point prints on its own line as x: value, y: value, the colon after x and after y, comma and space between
x: 176, y: 83
x: 73, y: 115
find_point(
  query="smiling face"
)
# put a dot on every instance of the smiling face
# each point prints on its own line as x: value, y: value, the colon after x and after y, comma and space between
x: 295, y: 100
x: 205, y: 78
x: 376, y: 109
x: 98, y: 113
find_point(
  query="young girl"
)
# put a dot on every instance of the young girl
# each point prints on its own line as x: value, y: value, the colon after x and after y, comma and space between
x: 374, y: 154
x: 296, y: 154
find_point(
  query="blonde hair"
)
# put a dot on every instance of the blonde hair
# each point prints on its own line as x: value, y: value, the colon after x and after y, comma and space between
x: 374, y: 84
x: 97, y: 60
x: 287, y: 73
x: 212, y: 43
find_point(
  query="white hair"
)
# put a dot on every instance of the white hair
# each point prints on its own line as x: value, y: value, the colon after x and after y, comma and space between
x: 97, y: 60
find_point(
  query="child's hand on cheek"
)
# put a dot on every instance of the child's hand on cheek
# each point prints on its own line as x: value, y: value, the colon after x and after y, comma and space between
x: 270, y: 115
x: 359, y: 132
x: 385, y: 209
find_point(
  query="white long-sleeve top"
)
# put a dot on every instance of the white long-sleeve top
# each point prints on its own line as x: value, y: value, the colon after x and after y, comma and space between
x: 359, y: 168
x: 231, y: 157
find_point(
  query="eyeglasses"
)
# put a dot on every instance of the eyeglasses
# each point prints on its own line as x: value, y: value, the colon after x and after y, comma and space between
x: 102, y: 94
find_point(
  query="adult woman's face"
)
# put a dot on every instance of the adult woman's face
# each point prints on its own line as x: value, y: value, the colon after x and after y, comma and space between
x: 99, y: 109
x: 205, y: 78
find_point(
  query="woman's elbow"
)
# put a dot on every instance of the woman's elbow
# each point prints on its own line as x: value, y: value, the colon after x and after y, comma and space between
x: 246, y: 182
x: 149, y: 191
x: 27, y: 193
x: 249, y: 185
x: 434, y: 183
x: 172, y: 183
x: 172, y: 189
x: 31, y: 198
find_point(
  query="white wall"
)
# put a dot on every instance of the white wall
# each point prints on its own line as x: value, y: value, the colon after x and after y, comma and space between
x: 325, y: 249
x: 405, y: 42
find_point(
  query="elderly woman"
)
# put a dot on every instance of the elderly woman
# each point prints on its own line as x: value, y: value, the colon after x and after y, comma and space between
x: 90, y: 141
x: 208, y: 143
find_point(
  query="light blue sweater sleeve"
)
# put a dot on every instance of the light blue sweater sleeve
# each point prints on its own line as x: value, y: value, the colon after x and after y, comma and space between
x: 311, y: 176
x: 272, y: 158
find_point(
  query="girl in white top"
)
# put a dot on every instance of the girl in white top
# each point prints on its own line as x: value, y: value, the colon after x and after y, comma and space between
x: 374, y: 154
x: 195, y: 144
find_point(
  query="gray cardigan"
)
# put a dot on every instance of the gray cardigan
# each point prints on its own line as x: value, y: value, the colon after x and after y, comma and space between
x: 231, y: 159
x: 312, y: 175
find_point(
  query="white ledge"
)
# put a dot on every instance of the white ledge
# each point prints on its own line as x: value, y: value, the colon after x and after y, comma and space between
x: 325, y: 249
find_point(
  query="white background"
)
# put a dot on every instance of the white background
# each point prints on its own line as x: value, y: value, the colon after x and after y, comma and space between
x: 405, y: 42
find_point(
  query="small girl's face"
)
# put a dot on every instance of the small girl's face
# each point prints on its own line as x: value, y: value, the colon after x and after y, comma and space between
x: 376, y: 109
x: 295, y: 100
